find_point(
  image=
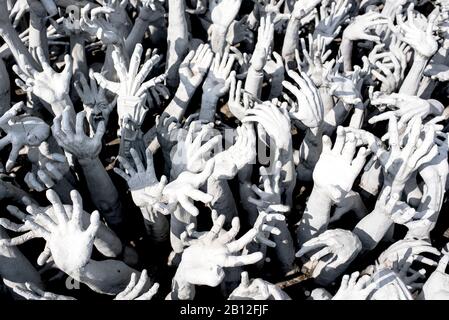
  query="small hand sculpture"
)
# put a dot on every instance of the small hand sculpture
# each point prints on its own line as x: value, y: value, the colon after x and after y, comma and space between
x: 308, y: 107
x: 21, y: 131
x: 359, y: 28
x: 329, y: 26
x: 354, y: 287
x: 48, y: 169
x: 194, y: 67
x: 421, y: 39
x: 132, y: 88
x: 50, y: 86
x: 223, y: 12
x: 337, y: 168
x: 269, y: 199
x: 241, y: 153
x: 192, y: 154
x: 94, y: 22
x: 403, y: 249
x: 76, y: 141
x: 257, y: 289
x: 62, y: 231
x: 184, y: 190
x: 30, y: 291
x: 203, y: 261
x: 217, y: 81
x: 275, y: 121
x: 145, y: 189
x: 436, y: 287
x: 406, y: 107
x: 136, y: 291
x: 337, y: 249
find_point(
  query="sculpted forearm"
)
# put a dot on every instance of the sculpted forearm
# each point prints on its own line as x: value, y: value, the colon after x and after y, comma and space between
x: 411, y: 82
x: 103, y: 192
x: 178, y: 40
x: 106, y: 277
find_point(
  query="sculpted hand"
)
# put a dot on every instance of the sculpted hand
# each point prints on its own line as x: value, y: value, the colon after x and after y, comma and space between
x: 334, y: 251
x: 94, y: 21
x: 218, y: 78
x: 21, y: 131
x: 76, y: 141
x: 47, y: 169
x: 329, y: 23
x: 153, y: 10
x: 403, y: 250
x: 145, y: 189
x: 194, y: 67
x: 408, y: 275
x: 347, y: 87
x: 265, y: 35
x: 354, y: 287
x: 132, y: 88
x: 18, y: 11
x: 48, y: 85
x: 269, y: 199
x: 203, y: 261
x: 237, y: 104
x: 360, y: 27
x: 223, y: 12
x: 68, y: 242
x: 191, y: 154
x: 257, y: 289
x: 404, y: 158
x: 308, y: 107
x: 275, y: 121
x: 136, y: 291
x: 436, y: 287
x: 337, y: 168
x: 389, y: 286
x: 419, y: 37
x: 388, y: 70
x: 241, y: 153
x: 30, y: 291
x: 167, y: 131
x: 239, y: 31
x: 314, y: 60
x: 184, y: 190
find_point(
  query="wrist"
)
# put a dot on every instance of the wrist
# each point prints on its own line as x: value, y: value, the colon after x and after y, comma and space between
x: 219, y: 30
x: 209, y: 99
x: 88, y: 162
x: 218, y: 37
x: 316, y: 215
x: 182, y: 289
x: 346, y: 40
x: 60, y: 103
x: 422, y: 59
x: 286, y: 152
x: 389, y: 8
x: 436, y: 107
x: 208, y: 107
x: 146, y: 17
x: 185, y: 92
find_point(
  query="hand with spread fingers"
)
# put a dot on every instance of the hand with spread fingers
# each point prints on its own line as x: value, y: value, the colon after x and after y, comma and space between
x: 339, y: 166
x: 136, y: 291
x: 203, y: 261
x: 329, y: 254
